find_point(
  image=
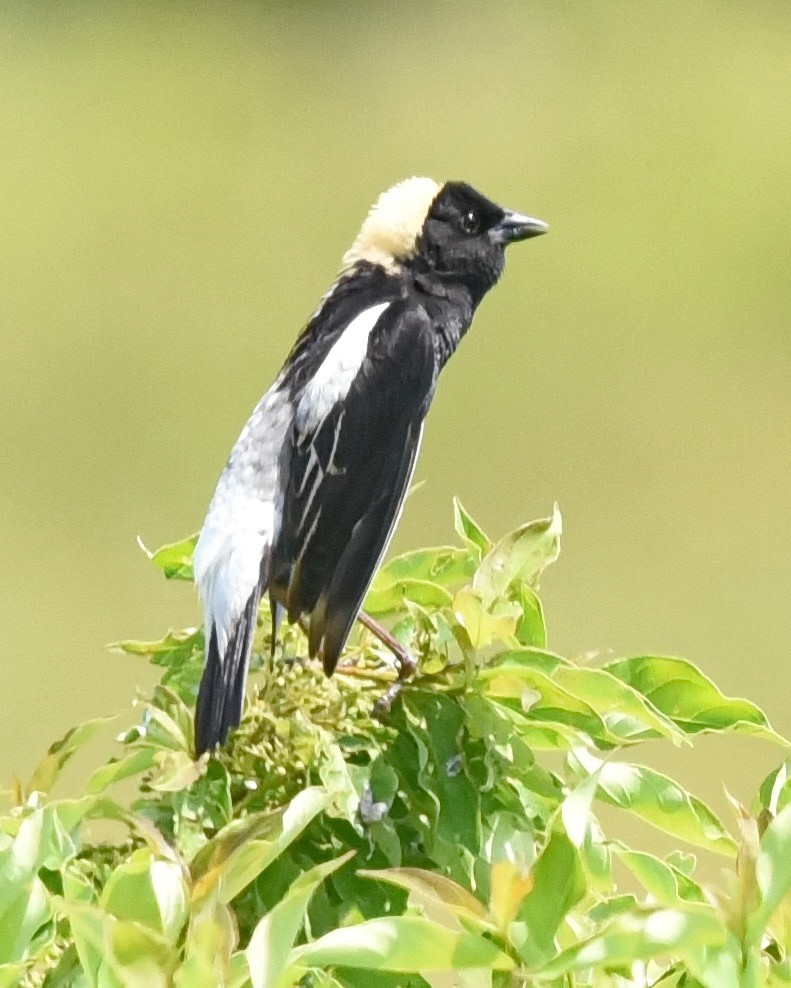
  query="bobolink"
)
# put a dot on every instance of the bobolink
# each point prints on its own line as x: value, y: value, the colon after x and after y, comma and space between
x: 312, y: 492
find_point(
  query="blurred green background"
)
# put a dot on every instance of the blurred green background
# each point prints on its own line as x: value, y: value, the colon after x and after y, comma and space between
x: 177, y: 185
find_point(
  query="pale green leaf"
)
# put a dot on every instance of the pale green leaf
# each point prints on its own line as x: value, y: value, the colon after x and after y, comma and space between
x: 387, y: 598
x: 520, y: 556
x: 175, y: 558
x: 542, y: 699
x: 558, y: 885
x: 245, y: 847
x: 24, y: 910
x: 483, y: 625
x: 133, y: 763
x: 274, y: 935
x: 148, y: 890
x: 444, y: 565
x: 531, y: 627
x: 659, y: 801
x: 209, y: 944
x: 429, y: 887
x: 625, y: 712
x: 402, y: 944
x: 168, y: 720
x: 468, y: 530
x: 143, y: 959
x: 647, y: 935
x: 666, y: 885
x: 175, y: 770
x: 682, y: 692
x: 531, y: 657
x: 48, y: 770
x: 118, y: 954
x: 11, y: 975
x: 772, y: 872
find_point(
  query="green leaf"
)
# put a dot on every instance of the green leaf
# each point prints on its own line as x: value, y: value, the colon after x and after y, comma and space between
x: 148, y: 890
x: 682, y: 692
x: 445, y: 565
x: 664, y: 883
x: 429, y: 889
x: 520, y: 556
x: 46, y: 838
x: 649, y: 935
x: 532, y: 658
x: 394, y: 596
x: 168, y: 720
x: 175, y: 558
x: 542, y: 698
x: 659, y: 801
x: 531, y: 628
x: 208, y: 949
x: 403, y: 944
x: 558, y: 885
x: 48, y: 770
x: 133, y: 763
x: 421, y: 577
x: 443, y: 775
x: 115, y: 953
x: 24, y: 910
x: 245, y: 847
x: 485, y: 626
x: 175, y: 770
x: 624, y: 711
x: 179, y: 653
x: 274, y: 936
x: 604, y: 910
x: 775, y: 792
x: 142, y: 957
x: 468, y: 530
x: 11, y: 975
x: 772, y: 873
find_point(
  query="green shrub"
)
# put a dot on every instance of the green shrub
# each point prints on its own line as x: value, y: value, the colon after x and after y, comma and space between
x: 454, y: 844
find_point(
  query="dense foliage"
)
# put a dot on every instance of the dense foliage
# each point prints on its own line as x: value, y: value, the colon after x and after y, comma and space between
x: 453, y: 844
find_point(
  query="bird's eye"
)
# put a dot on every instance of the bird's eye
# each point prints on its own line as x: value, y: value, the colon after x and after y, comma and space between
x: 471, y: 222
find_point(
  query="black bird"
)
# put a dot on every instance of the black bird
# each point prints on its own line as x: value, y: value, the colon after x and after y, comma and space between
x: 314, y: 486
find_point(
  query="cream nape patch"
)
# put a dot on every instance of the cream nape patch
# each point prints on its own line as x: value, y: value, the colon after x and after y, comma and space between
x: 393, y: 224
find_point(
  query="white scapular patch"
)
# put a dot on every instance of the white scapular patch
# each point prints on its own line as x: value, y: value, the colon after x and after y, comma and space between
x: 332, y: 380
x: 393, y: 225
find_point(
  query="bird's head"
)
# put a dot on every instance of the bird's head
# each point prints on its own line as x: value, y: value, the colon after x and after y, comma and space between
x: 449, y: 231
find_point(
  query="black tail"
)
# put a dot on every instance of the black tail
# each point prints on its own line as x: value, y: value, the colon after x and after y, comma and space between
x: 221, y: 693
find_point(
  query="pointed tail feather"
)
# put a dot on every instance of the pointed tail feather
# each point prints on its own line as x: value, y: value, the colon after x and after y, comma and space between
x: 221, y: 693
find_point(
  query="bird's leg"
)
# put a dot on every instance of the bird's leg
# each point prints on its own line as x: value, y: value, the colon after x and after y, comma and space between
x: 406, y: 662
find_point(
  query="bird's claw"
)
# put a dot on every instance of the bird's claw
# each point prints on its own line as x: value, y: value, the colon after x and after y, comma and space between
x: 407, y: 667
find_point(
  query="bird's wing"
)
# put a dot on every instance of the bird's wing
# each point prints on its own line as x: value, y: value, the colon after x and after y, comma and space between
x: 349, y: 471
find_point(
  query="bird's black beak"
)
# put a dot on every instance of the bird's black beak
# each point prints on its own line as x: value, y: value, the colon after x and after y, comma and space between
x: 516, y: 226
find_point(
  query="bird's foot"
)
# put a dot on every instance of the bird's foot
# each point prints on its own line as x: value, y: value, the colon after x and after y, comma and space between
x: 384, y: 704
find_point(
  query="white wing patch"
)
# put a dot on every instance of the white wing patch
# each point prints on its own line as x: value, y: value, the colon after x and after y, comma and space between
x: 332, y: 380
